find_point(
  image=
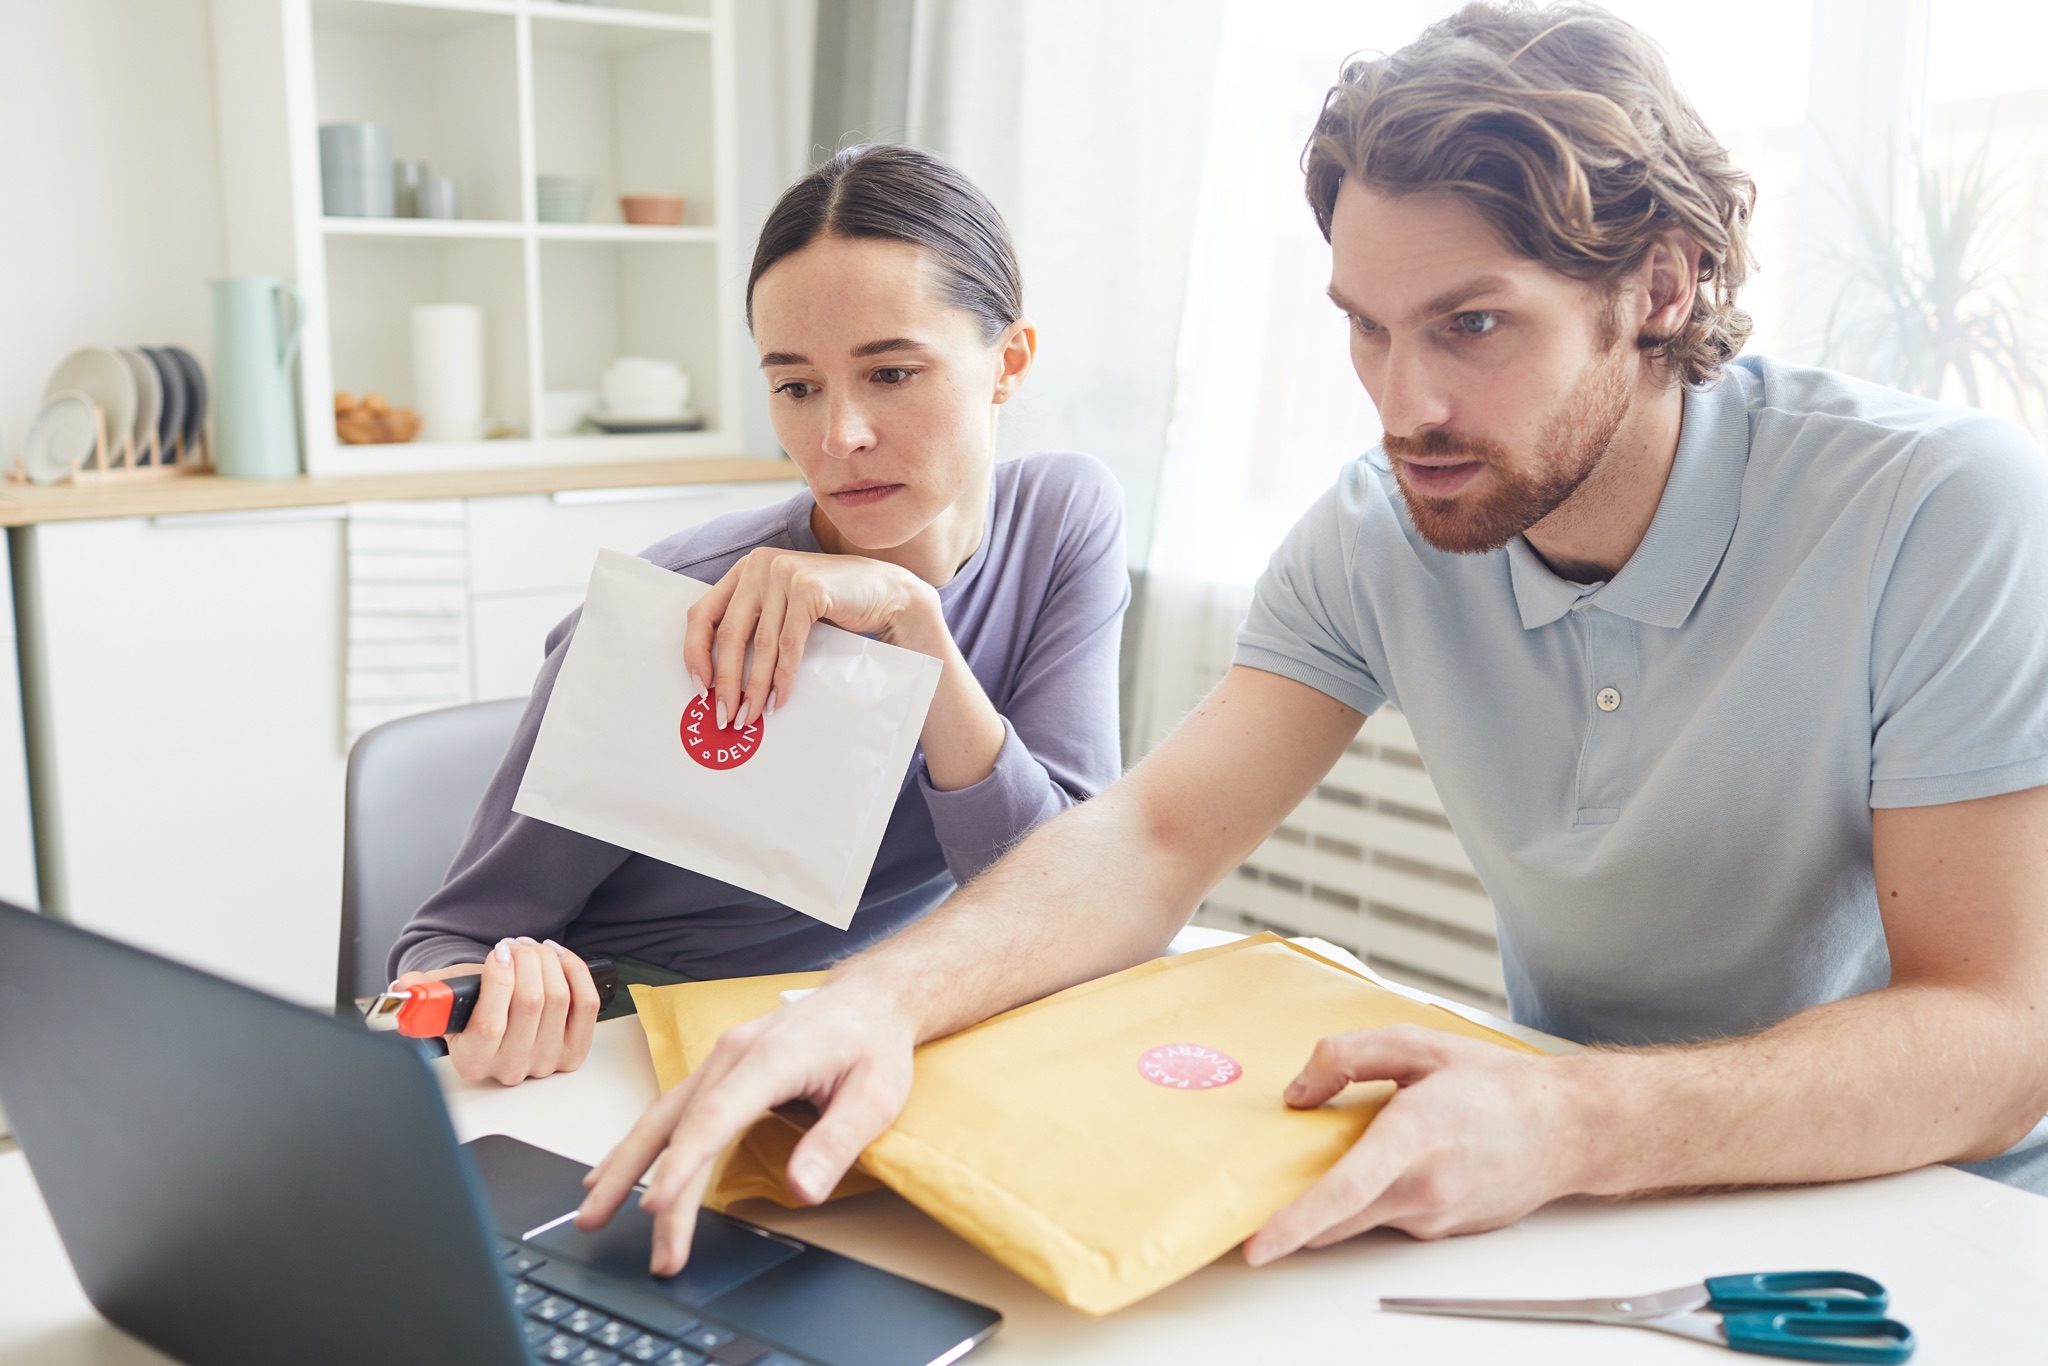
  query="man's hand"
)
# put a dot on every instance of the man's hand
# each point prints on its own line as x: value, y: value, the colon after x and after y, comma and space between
x: 837, y: 1049
x: 1475, y: 1138
x: 535, y: 1010
x: 1095, y: 890
x: 1947, y: 1062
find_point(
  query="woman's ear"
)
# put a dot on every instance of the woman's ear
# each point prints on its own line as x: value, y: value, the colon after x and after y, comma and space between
x: 1015, y: 350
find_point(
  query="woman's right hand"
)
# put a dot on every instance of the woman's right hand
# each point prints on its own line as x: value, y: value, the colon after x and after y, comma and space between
x: 535, y: 1011
x: 769, y: 600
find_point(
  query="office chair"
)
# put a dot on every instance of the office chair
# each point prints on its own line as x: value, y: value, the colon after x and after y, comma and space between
x: 413, y: 787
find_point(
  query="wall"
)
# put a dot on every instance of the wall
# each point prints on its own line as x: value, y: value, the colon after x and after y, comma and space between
x: 108, y: 170
x: 772, y: 43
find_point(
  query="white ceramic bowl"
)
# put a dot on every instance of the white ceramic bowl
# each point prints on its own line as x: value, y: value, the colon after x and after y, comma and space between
x: 636, y: 386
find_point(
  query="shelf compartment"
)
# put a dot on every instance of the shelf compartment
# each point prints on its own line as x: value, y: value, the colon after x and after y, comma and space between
x: 621, y: 232
x: 601, y: 300
x: 445, y: 81
x: 628, y: 106
x: 373, y: 284
x: 478, y: 229
x: 434, y: 15
x: 676, y: 16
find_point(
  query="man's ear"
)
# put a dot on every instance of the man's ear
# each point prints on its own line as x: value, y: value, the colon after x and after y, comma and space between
x: 1670, y: 277
x: 1015, y: 350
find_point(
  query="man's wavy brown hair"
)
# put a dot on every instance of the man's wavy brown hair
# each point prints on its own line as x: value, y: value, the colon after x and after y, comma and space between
x: 1563, y: 127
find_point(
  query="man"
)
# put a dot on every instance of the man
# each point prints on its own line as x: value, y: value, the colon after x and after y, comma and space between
x: 1731, y: 675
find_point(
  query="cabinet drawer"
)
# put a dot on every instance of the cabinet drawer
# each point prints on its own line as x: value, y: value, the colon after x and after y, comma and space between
x: 508, y: 633
x: 546, y: 542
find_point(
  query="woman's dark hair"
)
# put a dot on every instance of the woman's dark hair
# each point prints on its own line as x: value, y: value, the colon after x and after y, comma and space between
x: 896, y: 193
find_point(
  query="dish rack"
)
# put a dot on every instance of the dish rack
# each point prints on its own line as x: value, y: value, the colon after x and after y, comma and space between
x: 128, y: 461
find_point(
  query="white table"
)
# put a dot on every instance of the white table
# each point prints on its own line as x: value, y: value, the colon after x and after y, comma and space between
x: 1966, y: 1261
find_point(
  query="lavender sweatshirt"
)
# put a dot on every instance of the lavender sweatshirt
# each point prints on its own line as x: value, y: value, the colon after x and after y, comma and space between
x: 1037, y: 611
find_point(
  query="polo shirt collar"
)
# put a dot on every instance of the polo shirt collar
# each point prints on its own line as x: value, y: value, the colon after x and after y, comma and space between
x: 1695, y: 520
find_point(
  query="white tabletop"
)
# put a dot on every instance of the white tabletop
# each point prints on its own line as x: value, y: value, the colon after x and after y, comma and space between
x: 1966, y: 1261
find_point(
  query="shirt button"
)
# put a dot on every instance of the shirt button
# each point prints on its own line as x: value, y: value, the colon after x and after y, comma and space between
x: 1607, y: 699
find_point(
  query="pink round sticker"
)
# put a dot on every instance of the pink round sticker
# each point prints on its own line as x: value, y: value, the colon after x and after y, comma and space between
x: 1188, y: 1067
x: 711, y: 746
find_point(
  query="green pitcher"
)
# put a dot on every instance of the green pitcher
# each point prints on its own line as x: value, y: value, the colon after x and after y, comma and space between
x: 255, y: 430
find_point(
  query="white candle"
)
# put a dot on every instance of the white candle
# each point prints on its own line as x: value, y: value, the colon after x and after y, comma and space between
x: 448, y: 371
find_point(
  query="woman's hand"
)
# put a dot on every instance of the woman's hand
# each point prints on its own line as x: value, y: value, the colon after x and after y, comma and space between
x: 771, y: 598
x: 534, y: 1013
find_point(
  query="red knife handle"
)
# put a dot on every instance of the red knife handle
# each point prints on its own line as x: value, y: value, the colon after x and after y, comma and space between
x: 442, y: 1005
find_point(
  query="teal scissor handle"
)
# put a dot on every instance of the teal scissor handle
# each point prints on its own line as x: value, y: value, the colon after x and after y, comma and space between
x: 1820, y: 1337
x: 1787, y: 1292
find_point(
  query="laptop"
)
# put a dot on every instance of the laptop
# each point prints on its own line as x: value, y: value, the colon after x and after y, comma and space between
x: 239, y: 1180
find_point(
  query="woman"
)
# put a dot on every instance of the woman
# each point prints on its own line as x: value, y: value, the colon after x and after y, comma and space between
x: 887, y: 307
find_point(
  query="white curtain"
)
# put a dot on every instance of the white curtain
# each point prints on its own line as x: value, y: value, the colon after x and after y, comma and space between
x: 1266, y: 408
x: 1834, y: 106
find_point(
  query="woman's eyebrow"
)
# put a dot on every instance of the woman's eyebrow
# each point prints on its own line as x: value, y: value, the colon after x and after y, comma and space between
x: 887, y: 344
x: 873, y: 348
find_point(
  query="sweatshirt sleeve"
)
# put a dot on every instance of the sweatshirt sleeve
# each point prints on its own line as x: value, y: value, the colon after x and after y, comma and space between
x: 513, y: 875
x: 1061, y: 741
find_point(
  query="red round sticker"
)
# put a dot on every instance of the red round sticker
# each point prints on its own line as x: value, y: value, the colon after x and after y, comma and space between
x: 711, y: 746
x: 1188, y: 1067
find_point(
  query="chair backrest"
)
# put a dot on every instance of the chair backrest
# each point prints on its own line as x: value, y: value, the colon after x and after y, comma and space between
x: 413, y: 788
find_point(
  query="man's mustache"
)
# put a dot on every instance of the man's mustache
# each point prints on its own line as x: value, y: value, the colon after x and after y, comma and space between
x: 1438, y: 443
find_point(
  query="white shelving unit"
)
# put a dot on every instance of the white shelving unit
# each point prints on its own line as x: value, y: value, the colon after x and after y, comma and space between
x: 637, y: 98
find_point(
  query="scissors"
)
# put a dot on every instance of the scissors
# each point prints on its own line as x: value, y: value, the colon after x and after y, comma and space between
x: 1808, y: 1315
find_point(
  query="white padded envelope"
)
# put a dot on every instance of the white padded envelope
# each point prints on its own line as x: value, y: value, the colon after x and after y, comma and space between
x: 793, y: 808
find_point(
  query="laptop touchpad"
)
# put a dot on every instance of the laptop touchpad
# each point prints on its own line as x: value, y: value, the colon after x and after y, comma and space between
x: 724, y: 1254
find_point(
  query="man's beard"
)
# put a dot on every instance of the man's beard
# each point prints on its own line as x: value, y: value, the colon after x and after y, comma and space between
x: 1571, y: 447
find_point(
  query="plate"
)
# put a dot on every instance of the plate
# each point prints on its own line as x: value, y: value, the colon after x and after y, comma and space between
x: 195, y: 395
x: 103, y: 377
x: 621, y: 426
x: 172, y: 423
x: 149, y: 396
x: 61, y: 436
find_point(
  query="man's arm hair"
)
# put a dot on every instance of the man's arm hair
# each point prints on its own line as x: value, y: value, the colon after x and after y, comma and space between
x: 1107, y: 884
x: 1948, y: 1062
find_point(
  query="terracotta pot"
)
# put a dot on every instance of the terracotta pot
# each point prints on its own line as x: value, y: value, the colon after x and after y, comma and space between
x: 652, y: 210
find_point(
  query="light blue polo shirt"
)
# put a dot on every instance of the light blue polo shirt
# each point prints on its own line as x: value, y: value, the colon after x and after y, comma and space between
x: 1665, y: 780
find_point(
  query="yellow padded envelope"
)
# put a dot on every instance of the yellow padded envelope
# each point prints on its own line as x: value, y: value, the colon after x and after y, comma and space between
x: 1108, y: 1140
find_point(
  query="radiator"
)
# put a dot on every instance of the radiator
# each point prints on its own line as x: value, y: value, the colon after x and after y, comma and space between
x: 1369, y: 862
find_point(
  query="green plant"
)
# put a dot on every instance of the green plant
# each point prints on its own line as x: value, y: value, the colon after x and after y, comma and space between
x: 1920, y: 304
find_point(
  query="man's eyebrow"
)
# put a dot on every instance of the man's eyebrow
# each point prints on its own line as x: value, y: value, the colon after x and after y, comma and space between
x: 1442, y: 303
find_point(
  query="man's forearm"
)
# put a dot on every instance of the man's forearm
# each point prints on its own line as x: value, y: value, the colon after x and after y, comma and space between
x: 1877, y: 1083
x: 1106, y: 884
x: 1088, y: 893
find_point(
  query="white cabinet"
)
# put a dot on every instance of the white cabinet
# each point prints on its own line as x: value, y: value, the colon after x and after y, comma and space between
x: 185, y: 679
x: 185, y: 683
x: 626, y: 100
x: 17, y: 846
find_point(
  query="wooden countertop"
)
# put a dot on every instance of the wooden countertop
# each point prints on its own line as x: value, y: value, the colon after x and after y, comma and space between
x: 26, y: 504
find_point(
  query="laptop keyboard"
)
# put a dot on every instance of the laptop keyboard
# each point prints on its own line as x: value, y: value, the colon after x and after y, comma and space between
x: 560, y: 1328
